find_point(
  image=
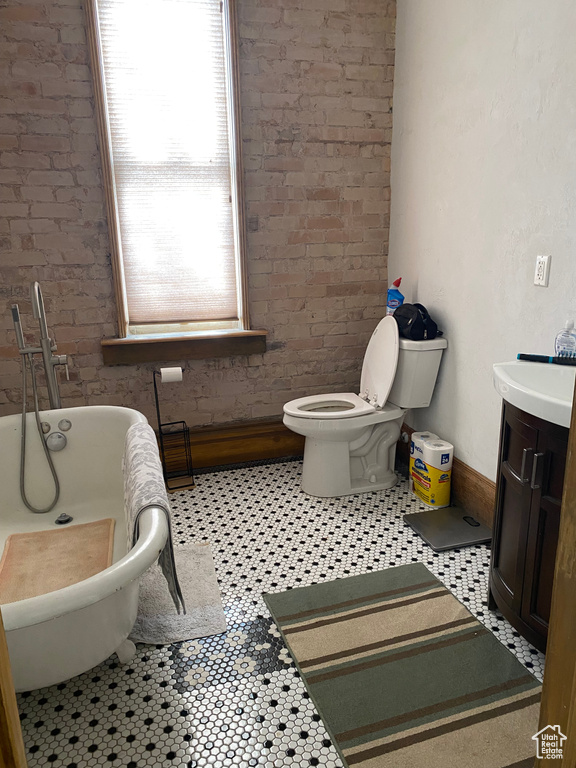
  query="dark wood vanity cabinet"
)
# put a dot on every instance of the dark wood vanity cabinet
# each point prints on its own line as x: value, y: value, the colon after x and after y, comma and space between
x: 528, y: 498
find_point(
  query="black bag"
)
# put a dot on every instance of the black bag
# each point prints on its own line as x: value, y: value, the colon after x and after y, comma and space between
x: 415, y: 323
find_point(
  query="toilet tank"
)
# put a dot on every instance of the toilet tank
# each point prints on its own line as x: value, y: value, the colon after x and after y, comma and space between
x: 418, y: 364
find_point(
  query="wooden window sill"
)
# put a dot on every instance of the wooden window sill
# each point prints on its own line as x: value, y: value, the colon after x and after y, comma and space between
x: 146, y: 350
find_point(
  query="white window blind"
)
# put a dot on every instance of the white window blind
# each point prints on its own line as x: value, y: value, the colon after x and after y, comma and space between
x: 166, y: 85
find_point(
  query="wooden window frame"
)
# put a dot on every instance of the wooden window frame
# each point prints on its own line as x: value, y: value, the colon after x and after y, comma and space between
x: 131, y: 349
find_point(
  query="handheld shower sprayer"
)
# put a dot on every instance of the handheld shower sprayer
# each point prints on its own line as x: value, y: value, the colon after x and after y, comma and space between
x: 17, y: 326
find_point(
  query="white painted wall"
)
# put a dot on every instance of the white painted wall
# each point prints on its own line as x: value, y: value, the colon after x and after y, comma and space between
x: 484, y: 179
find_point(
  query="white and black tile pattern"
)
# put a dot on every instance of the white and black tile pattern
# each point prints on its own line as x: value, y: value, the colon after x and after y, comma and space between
x: 236, y: 699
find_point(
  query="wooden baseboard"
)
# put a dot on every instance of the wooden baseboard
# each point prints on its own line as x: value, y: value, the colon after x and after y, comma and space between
x: 257, y: 440
x: 247, y: 441
x: 472, y: 491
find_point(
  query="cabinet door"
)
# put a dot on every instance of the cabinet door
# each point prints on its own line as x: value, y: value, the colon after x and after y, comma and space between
x: 547, y: 483
x: 518, y: 445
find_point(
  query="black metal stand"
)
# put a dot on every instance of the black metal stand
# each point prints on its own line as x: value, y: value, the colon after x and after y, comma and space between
x: 174, y: 439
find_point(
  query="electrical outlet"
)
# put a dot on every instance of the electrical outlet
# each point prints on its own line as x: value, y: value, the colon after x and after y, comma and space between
x: 542, y: 270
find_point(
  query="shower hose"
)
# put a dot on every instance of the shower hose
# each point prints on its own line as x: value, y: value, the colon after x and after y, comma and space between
x: 23, y: 441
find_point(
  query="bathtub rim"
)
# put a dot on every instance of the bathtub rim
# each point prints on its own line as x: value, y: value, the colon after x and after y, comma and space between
x: 153, y: 534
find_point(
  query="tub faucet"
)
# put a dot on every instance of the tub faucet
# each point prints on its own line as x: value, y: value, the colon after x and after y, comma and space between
x: 38, y: 308
x: 47, y: 347
x: 49, y: 359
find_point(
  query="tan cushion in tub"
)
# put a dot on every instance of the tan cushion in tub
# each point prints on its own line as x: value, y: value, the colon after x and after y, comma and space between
x: 38, y: 562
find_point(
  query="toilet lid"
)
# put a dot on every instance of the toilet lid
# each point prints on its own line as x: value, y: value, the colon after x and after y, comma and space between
x: 380, y: 361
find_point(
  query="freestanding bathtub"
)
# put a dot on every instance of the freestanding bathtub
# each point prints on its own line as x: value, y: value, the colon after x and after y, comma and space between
x: 55, y: 636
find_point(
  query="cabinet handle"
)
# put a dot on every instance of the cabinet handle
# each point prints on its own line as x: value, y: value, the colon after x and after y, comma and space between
x: 521, y: 478
x: 536, y: 472
x: 525, y: 454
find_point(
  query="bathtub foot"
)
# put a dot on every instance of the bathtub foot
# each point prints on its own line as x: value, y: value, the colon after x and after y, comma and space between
x: 126, y: 652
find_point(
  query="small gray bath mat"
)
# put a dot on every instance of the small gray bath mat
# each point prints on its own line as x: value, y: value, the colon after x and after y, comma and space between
x: 158, y: 622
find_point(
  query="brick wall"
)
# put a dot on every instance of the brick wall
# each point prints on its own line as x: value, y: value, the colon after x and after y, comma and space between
x: 316, y: 88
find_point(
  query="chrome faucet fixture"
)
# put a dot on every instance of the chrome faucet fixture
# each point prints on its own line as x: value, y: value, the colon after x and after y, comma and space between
x: 56, y: 441
x: 47, y: 347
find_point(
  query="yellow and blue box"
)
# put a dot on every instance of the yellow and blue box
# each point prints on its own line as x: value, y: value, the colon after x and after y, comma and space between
x: 431, y: 468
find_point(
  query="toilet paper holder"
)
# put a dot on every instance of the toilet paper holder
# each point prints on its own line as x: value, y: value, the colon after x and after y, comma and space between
x: 174, y: 440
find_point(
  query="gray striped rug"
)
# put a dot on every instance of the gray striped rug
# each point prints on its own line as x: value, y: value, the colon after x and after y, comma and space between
x: 405, y: 677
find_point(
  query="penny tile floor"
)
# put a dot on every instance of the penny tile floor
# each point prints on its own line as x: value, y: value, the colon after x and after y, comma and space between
x: 236, y: 699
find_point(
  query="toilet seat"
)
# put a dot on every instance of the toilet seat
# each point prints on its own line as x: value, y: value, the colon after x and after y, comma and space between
x: 378, y: 371
x: 341, y: 405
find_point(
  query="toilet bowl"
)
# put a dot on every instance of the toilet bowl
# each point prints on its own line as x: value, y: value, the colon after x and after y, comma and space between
x: 350, y: 444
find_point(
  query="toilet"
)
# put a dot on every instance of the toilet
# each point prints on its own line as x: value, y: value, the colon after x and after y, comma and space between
x: 351, y: 439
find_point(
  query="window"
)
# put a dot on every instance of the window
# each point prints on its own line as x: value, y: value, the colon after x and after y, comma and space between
x: 165, y: 81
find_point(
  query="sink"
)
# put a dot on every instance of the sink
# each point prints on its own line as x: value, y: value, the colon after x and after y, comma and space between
x: 542, y: 389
